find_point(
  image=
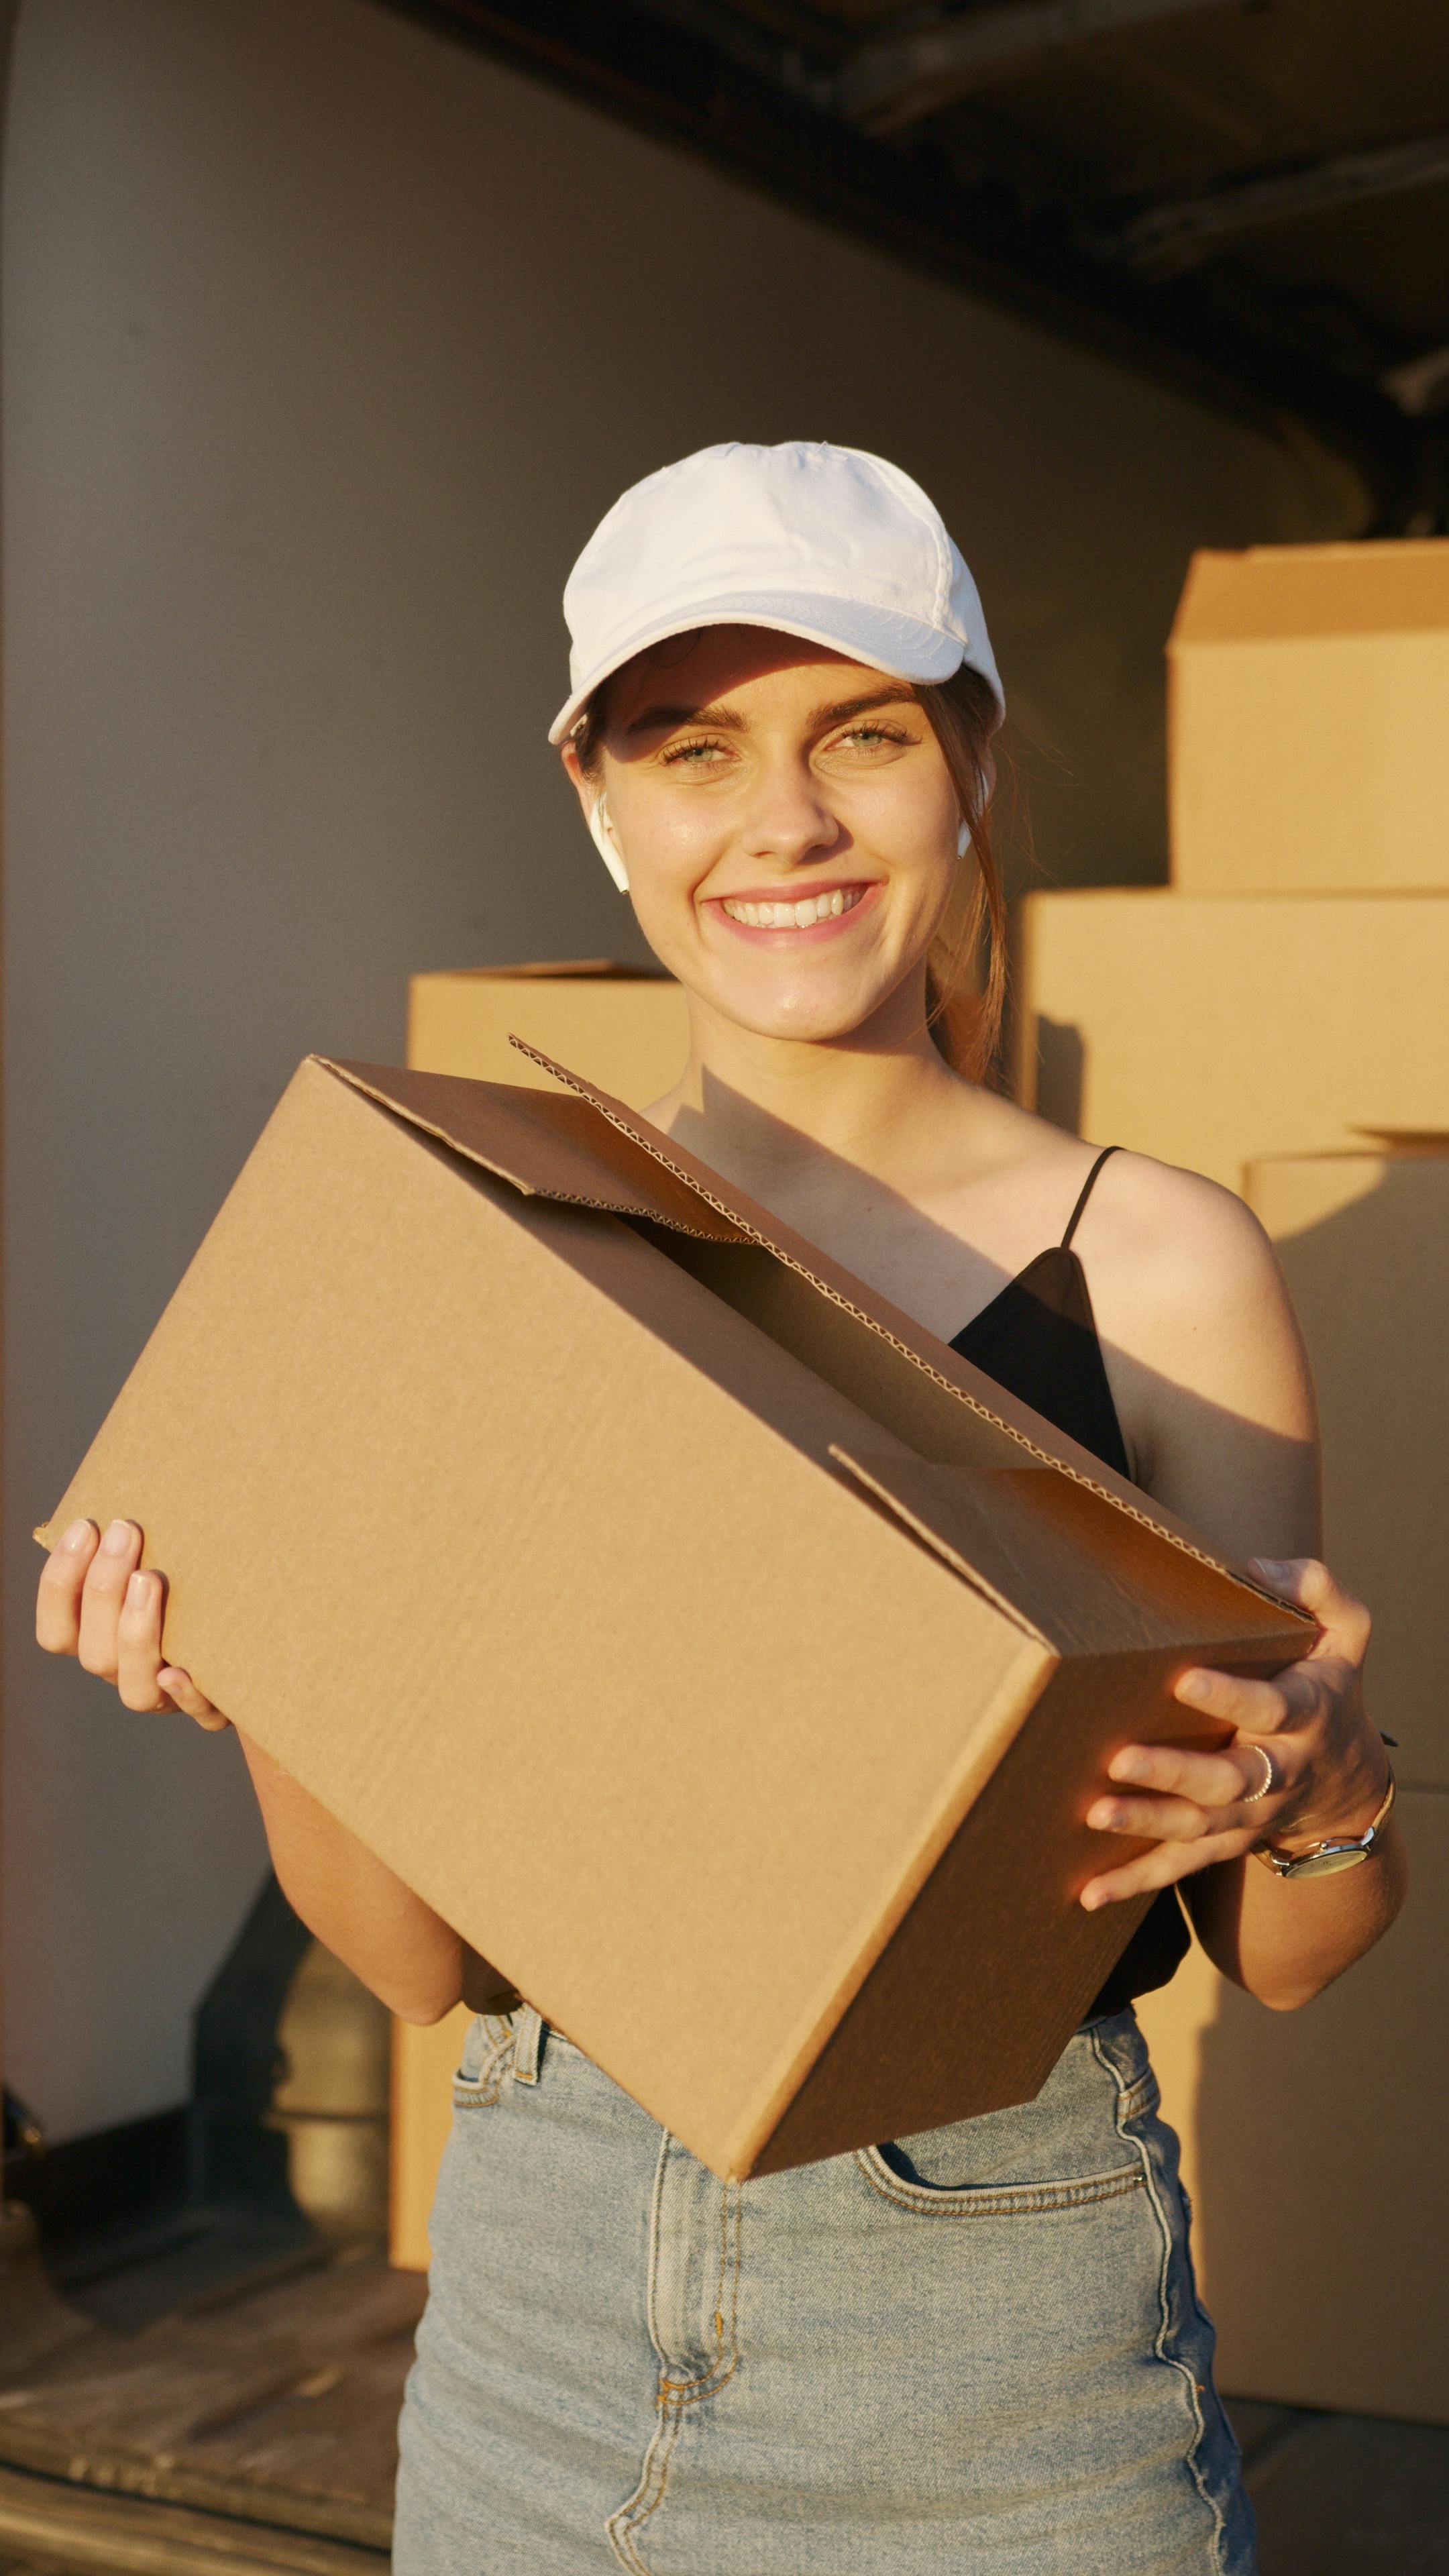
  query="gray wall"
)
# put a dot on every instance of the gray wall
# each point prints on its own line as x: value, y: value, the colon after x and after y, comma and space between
x: 324, y: 347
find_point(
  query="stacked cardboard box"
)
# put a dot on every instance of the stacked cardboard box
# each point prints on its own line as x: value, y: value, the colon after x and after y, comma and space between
x: 1279, y: 1018
x: 622, y: 1027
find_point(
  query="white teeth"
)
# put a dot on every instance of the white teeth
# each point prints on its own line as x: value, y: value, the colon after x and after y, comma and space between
x: 801, y: 915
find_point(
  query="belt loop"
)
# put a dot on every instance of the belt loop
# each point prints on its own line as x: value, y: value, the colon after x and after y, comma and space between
x: 527, y: 2046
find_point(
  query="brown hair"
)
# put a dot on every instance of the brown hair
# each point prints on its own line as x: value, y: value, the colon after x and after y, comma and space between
x: 965, y: 995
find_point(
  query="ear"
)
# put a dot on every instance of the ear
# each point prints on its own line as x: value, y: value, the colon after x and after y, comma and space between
x: 583, y: 788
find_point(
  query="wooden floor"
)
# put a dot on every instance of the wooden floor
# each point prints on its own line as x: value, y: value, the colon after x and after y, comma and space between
x: 1345, y: 2495
x: 249, y: 2425
x: 248, y: 2429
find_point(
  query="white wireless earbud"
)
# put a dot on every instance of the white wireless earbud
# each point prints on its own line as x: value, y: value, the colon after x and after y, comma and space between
x: 605, y: 841
x: 987, y: 784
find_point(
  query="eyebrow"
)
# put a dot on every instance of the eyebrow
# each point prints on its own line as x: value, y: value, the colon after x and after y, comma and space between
x: 663, y: 717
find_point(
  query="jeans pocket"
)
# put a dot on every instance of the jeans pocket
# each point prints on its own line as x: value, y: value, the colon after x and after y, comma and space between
x: 897, y: 2179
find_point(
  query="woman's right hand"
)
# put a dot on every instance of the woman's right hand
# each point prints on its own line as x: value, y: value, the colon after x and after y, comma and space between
x: 96, y: 1604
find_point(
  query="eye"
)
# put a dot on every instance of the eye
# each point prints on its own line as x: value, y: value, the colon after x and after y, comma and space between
x: 873, y: 737
x: 698, y: 754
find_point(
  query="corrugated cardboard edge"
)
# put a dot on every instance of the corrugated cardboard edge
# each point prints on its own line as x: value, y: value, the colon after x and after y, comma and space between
x: 997, y: 1730
x: 706, y: 1185
x: 616, y: 1206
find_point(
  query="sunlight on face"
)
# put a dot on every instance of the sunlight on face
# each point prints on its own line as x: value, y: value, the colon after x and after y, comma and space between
x: 788, y: 822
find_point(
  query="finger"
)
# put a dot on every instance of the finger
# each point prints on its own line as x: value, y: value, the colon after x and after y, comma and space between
x: 1228, y: 1778
x: 1343, y: 1621
x: 138, y: 1644
x: 1252, y: 1707
x: 1177, y: 1820
x: 1164, y: 1866
x: 182, y: 1692
x: 101, y: 1598
x: 58, y: 1601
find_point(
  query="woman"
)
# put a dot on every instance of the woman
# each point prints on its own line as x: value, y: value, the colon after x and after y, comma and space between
x: 977, y: 2349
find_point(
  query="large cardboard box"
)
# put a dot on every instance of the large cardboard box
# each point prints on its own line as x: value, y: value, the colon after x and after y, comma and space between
x: 623, y: 1027
x: 612, y: 1562
x: 1364, y: 1242
x: 1309, y: 745
x: 1212, y: 1029
x: 1316, y: 2151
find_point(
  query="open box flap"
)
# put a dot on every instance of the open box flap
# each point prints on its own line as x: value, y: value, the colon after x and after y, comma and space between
x: 589, y: 1150
x: 1035, y: 1544
x: 970, y: 1386
x: 543, y: 1143
x: 943, y: 1508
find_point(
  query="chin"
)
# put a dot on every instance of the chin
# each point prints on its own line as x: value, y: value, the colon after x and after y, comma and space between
x: 811, y: 1019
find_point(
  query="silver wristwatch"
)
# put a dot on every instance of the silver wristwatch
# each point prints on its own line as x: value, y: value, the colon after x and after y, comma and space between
x: 1322, y: 1859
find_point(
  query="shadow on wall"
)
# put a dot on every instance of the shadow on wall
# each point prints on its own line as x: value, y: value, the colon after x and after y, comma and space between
x: 1061, y: 1064
x: 289, y: 2111
x: 1317, y: 2144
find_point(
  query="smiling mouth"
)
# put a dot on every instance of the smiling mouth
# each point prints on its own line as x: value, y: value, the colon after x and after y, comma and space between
x: 802, y: 914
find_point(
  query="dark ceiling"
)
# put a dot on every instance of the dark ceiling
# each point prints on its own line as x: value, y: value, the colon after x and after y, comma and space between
x: 1248, y: 199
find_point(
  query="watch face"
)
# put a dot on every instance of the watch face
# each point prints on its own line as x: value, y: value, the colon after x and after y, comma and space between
x: 1323, y: 1864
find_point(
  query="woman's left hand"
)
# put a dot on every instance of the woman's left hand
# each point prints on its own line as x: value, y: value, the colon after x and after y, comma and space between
x: 1330, y: 1770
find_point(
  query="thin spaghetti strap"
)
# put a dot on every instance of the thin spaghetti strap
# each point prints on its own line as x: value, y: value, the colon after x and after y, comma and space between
x: 1088, y: 1185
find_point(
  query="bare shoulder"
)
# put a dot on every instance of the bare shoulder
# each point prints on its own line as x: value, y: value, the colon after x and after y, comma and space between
x: 1169, y: 1241
x: 1191, y: 1305
x: 1189, y: 1246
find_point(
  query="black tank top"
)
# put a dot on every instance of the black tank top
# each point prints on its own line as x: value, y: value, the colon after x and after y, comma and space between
x: 1038, y: 1339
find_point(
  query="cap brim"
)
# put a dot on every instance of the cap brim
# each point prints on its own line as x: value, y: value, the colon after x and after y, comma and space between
x: 902, y: 647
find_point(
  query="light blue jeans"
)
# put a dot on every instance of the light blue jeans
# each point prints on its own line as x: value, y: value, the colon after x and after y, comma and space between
x: 975, y: 2350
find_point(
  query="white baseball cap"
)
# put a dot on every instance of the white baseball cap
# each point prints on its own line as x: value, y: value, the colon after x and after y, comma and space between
x: 823, y: 542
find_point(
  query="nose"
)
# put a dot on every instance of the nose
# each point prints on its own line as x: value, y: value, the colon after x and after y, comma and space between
x: 788, y: 819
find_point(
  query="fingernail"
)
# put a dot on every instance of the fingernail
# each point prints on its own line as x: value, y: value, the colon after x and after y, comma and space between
x: 1270, y: 1564
x: 117, y: 1538
x: 1195, y: 1686
x: 1091, y: 1898
x: 137, y: 1590
x: 76, y: 1537
x: 1130, y: 1765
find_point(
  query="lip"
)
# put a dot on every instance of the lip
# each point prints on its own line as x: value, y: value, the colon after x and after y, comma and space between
x: 818, y: 932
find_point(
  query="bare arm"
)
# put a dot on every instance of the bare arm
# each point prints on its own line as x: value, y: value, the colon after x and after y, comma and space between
x: 1215, y: 1393
x: 395, y: 1943
x: 93, y: 1604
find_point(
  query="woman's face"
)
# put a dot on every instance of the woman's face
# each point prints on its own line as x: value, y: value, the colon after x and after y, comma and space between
x: 788, y: 824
